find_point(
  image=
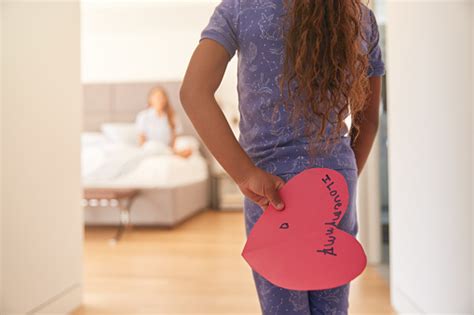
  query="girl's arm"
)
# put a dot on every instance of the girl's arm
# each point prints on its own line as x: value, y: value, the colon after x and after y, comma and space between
x: 369, y: 123
x: 203, y: 77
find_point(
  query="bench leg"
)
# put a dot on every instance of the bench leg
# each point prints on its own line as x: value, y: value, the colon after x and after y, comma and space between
x: 124, y: 206
x: 124, y: 223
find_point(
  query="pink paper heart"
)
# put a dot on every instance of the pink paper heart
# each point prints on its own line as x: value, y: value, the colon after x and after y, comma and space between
x: 301, y: 248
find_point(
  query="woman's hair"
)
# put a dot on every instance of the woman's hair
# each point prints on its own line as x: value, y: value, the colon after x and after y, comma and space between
x: 324, y: 65
x: 167, y: 106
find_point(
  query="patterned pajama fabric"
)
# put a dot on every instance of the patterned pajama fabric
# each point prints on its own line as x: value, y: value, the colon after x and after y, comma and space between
x: 253, y: 29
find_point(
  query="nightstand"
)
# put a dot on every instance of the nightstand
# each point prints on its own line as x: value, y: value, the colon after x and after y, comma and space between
x: 226, y: 195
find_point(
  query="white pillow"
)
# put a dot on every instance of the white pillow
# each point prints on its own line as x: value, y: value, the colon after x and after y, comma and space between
x: 123, y: 133
x: 93, y: 139
x: 187, y: 142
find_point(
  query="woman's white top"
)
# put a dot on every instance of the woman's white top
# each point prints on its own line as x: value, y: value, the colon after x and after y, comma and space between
x: 153, y: 126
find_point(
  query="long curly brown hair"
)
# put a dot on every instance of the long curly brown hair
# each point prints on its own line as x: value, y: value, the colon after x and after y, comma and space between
x: 325, y: 67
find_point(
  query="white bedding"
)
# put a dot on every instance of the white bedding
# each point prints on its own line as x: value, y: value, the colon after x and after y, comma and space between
x: 108, y: 164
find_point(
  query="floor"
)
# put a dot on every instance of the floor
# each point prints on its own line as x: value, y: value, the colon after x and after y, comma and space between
x: 194, y: 268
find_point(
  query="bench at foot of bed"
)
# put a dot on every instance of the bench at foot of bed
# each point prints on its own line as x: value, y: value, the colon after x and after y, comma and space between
x: 118, y: 198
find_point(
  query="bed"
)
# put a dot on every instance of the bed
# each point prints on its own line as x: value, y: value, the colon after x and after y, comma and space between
x: 169, y: 188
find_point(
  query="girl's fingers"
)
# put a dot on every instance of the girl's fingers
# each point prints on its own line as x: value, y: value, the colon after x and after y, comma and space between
x: 275, y: 199
x: 264, y: 204
x: 253, y: 196
x: 274, y: 196
x: 260, y: 200
x: 279, y: 182
x: 268, y: 193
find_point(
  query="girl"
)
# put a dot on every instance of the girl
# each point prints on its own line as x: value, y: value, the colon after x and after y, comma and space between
x: 304, y: 66
x: 157, y: 123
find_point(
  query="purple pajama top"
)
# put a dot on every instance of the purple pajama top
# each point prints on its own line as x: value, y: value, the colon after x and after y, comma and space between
x: 253, y: 29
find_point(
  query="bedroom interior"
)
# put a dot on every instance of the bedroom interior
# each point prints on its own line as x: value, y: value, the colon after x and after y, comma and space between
x: 91, y: 224
x: 115, y: 90
x: 169, y: 188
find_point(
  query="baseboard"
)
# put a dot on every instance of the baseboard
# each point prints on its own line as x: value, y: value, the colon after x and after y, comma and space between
x: 63, y: 303
x: 401, y: 303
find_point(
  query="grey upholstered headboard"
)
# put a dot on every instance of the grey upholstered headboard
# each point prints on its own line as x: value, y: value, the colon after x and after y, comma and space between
x: 120, y: 102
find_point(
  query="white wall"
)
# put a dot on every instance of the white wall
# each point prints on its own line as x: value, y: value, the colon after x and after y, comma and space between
x: 127, y: 41
x: 430, y: 74
x: 472, y: 157
x: 41, y: 224
x: 1, y: 156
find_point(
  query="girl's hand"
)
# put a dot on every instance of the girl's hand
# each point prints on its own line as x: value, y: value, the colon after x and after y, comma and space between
x: 262, y: 188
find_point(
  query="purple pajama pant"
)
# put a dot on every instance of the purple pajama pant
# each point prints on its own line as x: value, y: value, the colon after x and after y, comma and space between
x: 275, y: 300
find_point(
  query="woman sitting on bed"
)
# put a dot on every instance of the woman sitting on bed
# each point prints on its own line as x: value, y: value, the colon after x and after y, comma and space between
x: 157, y: 123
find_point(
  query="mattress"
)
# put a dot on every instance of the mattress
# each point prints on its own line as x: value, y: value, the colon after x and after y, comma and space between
x: 107, y: 164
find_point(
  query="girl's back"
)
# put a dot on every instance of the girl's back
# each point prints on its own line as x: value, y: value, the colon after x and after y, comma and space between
x: 254, y: 30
